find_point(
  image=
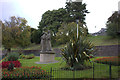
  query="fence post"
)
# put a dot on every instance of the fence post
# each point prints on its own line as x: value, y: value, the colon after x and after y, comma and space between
x: 93, y: 70
x: 110, y: 70
x: 73, y: 73
x: 51, y: 72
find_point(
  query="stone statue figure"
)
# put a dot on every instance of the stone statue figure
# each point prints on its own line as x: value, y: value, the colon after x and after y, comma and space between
x: 46, y: 42
x: 43, y: 42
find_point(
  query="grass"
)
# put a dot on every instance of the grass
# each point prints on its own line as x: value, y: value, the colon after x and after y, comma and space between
x: 103, y: 40
x: 31, y: 62
x: 101, y: 70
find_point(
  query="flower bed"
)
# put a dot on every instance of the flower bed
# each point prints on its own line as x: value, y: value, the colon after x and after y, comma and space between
x: 30, y: 56
x: 25, y: 73
x: 115, y: 60
x: 6, y: 64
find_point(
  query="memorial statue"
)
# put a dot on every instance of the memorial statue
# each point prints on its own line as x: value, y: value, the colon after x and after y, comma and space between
x: 46, y: 42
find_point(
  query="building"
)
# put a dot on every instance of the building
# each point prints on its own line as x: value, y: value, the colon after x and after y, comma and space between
x: 102, y: 32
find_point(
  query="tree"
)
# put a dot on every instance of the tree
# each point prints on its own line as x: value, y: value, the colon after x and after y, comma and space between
x: 112, y: 29
x: 76, y: 10
x: 15, y: 33
x: 113, y: 25
x: 66, y: 31
x: 52, y: 20
x: 36, y: 36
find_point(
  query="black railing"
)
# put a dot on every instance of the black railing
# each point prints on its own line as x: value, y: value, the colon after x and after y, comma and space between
x: 92, y: 73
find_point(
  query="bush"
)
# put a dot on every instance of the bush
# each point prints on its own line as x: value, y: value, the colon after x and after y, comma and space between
x: 6, y: 64
x: 13, y: 56
x: 25, y: 73
x: 30, y: 56
x: 78, y: 50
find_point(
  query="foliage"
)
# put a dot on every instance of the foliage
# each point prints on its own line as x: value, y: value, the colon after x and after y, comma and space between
x: 13, y: 56
x: 113, y: 25
x: 15, y: 33
x: 76, y: 10
x: 36, y: 36
x: 78, y: 49
x: 65, y: 31
x: 112, y: 29
x: 11, y: 66
x: 5, y: 64
x: 30, y: 56
x: 52, y: 20
x: 32, y: 72
x: 115, y: 17
x: 109, y: 60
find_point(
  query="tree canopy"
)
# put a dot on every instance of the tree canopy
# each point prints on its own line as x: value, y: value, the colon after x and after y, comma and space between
x: 113, y: 25
x: 15, y: 33
x: 52, y: 20
x: 76, y: 10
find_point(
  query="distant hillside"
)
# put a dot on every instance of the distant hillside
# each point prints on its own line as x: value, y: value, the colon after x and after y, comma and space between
x: 104, y: 40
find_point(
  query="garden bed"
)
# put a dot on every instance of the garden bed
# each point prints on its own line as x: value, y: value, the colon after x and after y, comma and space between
x: 114, y: 60
x: 32, y: 72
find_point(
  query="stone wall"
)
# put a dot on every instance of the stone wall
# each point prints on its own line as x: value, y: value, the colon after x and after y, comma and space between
x: 111, y: 50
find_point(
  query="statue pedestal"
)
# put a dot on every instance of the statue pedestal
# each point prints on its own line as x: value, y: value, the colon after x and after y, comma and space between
x: 47, y: 56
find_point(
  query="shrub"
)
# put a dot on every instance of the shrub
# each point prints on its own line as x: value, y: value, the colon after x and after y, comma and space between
x: 22, y: 56
x: 30, y: 56
x: 6, y: 64
x: 11, y: 66
x: 78, y: 50
x: 13, y: 56
x: 25, y: 73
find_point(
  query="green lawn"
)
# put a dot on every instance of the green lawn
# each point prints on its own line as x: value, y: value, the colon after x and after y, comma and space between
x: 96, y: 40
x: 101, y: 70
x: 103, y: 40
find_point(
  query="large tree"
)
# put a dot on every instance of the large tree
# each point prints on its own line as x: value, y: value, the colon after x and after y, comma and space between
x: 15, y: 33
x: 52, y: 20
x: 76, y: 10
x: 113, y: 25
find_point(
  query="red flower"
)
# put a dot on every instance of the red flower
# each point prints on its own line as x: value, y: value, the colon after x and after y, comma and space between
x: 6, y: 64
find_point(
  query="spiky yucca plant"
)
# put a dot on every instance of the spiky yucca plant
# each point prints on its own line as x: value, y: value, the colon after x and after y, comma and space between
x: 78, y: 49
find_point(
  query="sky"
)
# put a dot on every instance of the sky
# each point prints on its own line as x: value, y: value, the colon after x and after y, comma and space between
x: 32, y: 10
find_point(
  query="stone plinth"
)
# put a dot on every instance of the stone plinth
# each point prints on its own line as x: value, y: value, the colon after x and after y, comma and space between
x: 47, y: 56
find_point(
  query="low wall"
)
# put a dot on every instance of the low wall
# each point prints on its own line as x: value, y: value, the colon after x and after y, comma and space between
x: 110, y: 50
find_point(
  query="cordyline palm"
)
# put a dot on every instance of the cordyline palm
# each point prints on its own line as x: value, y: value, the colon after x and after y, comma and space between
x: 78, y: 49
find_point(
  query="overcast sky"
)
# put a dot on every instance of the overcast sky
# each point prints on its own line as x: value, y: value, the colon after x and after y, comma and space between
x: 32, y: 11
